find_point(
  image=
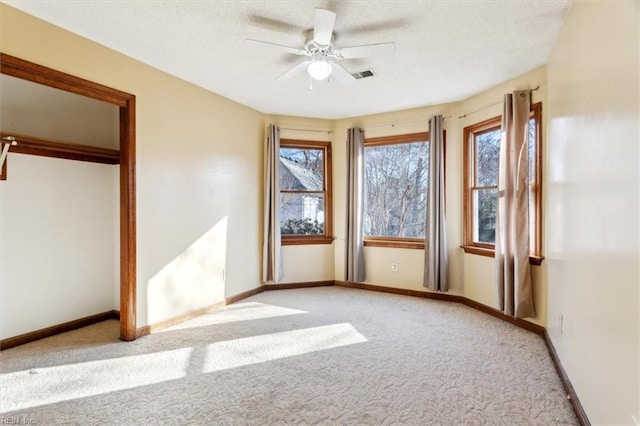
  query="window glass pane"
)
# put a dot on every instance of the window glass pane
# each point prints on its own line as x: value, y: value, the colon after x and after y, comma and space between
x: 532, y: 221
x: 532, y: 150
x: 532, y: 180
x: 484, y: 215
x: 395, y: 189
x: 301, y: 214
x: 487, y: 154
x: 301, y: 169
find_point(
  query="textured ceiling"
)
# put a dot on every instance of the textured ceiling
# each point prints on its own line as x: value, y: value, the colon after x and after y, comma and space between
x: 445, y: 50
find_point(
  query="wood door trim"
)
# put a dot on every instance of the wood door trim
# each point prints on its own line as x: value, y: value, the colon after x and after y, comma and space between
x: 20, y: 68
x: 128, y: 245
x: 26, y: 70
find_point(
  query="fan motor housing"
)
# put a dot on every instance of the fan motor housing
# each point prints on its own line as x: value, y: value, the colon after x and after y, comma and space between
x: 312, y: 47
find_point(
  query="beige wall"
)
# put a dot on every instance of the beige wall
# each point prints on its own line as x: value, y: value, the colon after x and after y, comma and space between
x: 592, y: 207
x: 199, y: 171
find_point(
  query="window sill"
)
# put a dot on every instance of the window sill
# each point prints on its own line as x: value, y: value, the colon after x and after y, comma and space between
x: 394, y: 243
x: 305, y: 239
x: 489, y: 252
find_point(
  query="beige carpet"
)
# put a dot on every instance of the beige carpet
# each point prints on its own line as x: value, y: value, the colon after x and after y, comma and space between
x: 332, y: 356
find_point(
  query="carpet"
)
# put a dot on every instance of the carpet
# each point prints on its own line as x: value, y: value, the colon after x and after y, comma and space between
x: 328, y: 356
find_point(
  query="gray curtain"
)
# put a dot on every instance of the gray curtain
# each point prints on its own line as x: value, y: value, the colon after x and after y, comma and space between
x: 513, y: 274
x: 354, y: 261
x: 271, y: 249
x: 435, y: 245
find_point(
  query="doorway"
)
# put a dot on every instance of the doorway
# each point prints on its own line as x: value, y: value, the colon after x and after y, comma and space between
x: 16, y: 67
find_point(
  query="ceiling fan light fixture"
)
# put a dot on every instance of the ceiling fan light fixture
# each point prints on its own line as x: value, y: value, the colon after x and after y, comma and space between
x: 322, y: 58
x: 319, y: 69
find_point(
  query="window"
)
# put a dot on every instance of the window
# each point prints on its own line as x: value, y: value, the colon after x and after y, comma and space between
x: 305, y: 192
x: 481, y: 152
x: 396, y: 171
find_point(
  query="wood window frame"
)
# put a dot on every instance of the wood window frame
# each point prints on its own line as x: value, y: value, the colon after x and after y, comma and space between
x: 395, y: 242
x: 327, y: 191
x: 20, y: 68
x: 484, y: 249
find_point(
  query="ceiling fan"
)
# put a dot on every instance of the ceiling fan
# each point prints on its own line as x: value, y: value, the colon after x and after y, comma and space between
x: 323, y: 56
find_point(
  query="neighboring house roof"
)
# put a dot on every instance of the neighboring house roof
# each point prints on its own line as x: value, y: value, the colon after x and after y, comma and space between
x: 302, y: 177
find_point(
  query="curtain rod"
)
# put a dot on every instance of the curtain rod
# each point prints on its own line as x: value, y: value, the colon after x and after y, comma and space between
x: 307, y: 130
x: 493, y: 104
x: 397, y: 123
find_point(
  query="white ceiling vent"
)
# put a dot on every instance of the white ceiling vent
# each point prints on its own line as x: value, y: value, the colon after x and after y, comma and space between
x: 362, y: 74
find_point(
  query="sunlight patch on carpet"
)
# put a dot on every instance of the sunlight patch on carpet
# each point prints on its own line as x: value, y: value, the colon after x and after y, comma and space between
x: 72, y: 381
x: 242, y: 311
x: 256, y: 349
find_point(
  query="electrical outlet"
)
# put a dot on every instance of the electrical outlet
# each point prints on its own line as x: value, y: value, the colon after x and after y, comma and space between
x: 561, y: 323
x: 394, y: 267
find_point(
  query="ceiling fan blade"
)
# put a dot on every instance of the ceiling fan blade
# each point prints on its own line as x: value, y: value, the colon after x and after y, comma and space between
x: 279, y: 47
x: 323, y: 26
x: 274, y: 24
x: 293, y: 71
x: 341, y: 74
x: 374, y: 27
x: 379, y: 49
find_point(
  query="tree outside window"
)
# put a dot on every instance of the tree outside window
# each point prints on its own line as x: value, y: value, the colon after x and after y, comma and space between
x: 485, y: 189
x: 396, y: 173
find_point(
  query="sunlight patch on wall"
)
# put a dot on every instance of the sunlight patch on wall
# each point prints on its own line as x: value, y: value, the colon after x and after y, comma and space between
x: 31, y: 388
x: 192, y: 280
